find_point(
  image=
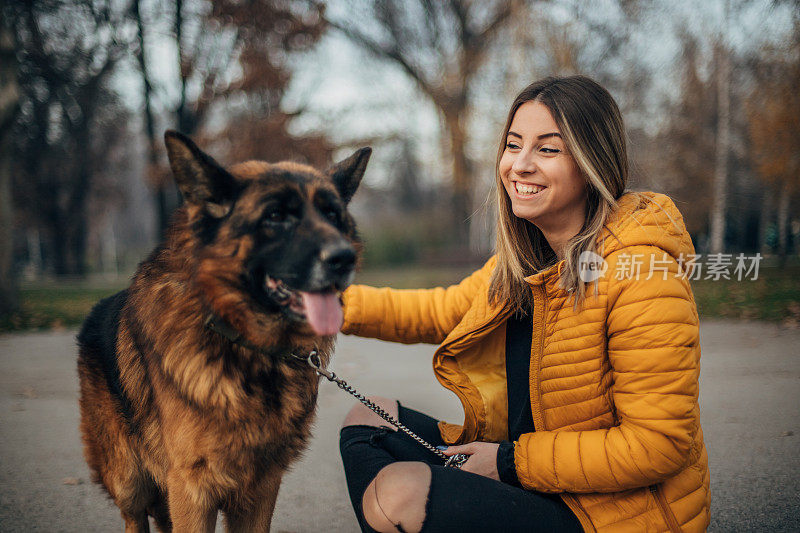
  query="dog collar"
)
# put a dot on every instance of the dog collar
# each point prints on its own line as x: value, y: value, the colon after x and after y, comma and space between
x: 221, y: 327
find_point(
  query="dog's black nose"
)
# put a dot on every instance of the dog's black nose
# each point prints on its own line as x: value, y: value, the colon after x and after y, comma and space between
x: 339, y: 259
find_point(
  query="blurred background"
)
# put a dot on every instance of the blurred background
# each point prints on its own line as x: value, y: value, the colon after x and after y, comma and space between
x: 709, y: 92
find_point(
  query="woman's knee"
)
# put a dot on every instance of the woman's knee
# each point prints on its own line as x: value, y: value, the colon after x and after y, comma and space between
x: 361, y: 415
x: 395, y: 500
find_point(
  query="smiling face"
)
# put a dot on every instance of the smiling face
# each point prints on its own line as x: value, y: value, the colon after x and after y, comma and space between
x: 541, y: 178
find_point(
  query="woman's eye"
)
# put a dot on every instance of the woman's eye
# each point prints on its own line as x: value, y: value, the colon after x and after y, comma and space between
x: 549, y: 150
x: 512, y: 146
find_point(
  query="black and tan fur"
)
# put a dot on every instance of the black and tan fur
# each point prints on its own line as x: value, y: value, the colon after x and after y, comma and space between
x: 179, y: 422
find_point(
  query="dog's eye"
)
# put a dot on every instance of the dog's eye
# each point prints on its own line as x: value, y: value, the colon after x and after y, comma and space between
x: 275, y: 216
x: 332, y: 215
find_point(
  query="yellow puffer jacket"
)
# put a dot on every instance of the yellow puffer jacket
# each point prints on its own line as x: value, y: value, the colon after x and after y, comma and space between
x: 613, y: 387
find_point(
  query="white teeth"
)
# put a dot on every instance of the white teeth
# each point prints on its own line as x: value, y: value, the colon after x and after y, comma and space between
x: 278, y: 287
x: 523, y: 188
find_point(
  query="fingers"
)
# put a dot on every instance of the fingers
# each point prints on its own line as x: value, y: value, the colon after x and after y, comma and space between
x: 482, y: 457
x: 467, y: 449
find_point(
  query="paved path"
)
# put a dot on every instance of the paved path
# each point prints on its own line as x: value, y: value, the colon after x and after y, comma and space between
x: 750, y: 403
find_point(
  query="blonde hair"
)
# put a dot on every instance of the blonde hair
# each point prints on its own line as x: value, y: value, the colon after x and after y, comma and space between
x: 591, y: 126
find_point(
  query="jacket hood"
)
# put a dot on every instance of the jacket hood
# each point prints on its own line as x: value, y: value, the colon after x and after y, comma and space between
x: 645, y: 219
x: 640, y: 219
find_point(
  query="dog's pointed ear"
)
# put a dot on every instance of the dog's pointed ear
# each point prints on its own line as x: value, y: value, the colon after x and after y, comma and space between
x: 347, y: 174
x: 202, y: 180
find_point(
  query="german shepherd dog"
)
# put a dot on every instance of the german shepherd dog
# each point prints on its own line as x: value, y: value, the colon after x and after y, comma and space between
x: 195, y: 395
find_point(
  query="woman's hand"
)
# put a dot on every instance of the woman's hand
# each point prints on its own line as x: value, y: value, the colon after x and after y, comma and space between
x: 482, y: 458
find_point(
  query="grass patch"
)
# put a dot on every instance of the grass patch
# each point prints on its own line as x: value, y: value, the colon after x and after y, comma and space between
x: 55, y: 306
x: 414, y: 277
x: 774, y: 296
x: 59, y: 305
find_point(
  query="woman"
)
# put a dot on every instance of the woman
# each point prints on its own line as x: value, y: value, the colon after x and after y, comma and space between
x: 578, y: 372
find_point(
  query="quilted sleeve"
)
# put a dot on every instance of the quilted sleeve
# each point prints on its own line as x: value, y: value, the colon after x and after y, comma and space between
x: 410, y: 315
x: 653, y: 350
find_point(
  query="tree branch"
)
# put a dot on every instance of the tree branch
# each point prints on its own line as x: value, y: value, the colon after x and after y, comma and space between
x: 500, y: 18
x: 389, y: 52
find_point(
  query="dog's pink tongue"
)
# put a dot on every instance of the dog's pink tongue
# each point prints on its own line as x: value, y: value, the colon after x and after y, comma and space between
x: 324, y: 312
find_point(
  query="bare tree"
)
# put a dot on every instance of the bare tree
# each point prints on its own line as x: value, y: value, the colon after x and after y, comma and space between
x: 67, y: 54
x: 719, y: 198
x: 9, y: 105
x: 689, y: 133
x: 774, y: 128
x: 269, y: 32
x: 153, y: 140
x: 441, y: 46
x: 231, y: 55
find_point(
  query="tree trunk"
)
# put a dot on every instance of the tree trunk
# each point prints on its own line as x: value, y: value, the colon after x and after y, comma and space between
x: 8, y: 290
x: 461, y: 179
x: 81, y: 230
x: 187, y: 118
x: 77, y: 210
x: 162, y: 211
x: 719, y: 205
x: 34, y: 248
x: 765, y: 218
x: 108, y: 258
x: 9, y: 100
x: 783, y: 223
x: 59, y: 247
x: 168, y: 198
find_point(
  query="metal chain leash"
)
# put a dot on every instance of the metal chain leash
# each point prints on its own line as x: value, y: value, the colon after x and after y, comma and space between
x: 455, y: 461
x: 221, y: 327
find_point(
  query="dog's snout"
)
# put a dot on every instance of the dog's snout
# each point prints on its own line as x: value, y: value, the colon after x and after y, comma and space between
x: 339, y: 259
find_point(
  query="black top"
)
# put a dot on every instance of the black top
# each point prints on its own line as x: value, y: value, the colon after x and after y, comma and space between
x: 519, y: 331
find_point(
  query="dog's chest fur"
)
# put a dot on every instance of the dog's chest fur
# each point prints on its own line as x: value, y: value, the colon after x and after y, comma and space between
x: 222, y: 412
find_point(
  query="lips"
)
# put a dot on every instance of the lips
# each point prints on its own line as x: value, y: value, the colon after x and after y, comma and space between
x: 527, y: 190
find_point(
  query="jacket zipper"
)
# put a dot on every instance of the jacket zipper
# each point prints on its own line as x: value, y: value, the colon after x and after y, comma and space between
x: 539, y: 309
x: 666, y: 511
x: 576, y: 507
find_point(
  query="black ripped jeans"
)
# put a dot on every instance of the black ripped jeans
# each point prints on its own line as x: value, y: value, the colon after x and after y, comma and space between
x: 458, y: 501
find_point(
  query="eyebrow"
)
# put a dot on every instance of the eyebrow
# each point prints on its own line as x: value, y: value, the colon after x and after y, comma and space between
x: 540, y: 137
x: 326, y: 195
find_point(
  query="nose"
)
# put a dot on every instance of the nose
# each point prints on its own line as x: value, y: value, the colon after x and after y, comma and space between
x: 339, y: 258
x: 524, y: 163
